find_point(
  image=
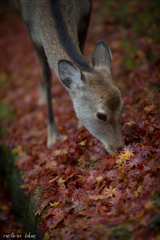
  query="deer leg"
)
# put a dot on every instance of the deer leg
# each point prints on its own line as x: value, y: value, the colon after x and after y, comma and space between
x: 45, y: 94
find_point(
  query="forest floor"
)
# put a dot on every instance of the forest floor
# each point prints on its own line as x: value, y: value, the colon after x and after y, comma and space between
x: 84, y: 193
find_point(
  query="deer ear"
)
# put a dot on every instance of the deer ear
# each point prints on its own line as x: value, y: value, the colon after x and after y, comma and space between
x: 69, y: 75
x: 101, y: 55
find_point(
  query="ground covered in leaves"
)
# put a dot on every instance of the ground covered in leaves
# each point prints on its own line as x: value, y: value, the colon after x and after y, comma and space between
x: 83, y: 193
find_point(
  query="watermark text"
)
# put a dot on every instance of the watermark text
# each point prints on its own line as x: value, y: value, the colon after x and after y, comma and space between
x: 19, y: 236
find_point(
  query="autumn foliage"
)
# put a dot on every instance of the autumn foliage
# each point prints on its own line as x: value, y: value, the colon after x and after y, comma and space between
x: 81, y: 191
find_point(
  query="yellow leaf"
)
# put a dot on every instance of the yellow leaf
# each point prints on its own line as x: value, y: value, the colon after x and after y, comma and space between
x: 18, y: 150
x: 121, y: 169
x: 139, y: 189
x: 81, y: 160
x: 136, y: 194
x: 54, y: 204
x: 61, y: 182
x: 6, y: 231
x: 124, y: 156
x: 54, y: 179
x: 46, y: 236
x: 57, y: 152
x: 4, y: 208
x: 97, y: 197
x: 53, y: 163
x: 3, y: 76
x: 51, y: 227
x: 99, y: 179
x: 83, y: 143
x: 109, y: 191
x: 65, y: 137
x: 149, y: 204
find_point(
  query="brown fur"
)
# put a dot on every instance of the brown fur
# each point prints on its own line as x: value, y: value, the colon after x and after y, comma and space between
x: 58, y: 30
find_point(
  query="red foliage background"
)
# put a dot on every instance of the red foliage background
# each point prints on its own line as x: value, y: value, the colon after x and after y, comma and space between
x: 83, y: 193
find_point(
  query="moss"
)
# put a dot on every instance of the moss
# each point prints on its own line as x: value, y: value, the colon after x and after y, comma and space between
x: 30, y: 222
x: 5, y: 113
x: 23, y: 205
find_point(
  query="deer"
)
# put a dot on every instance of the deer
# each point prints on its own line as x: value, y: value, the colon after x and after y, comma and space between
x: 58, y: 30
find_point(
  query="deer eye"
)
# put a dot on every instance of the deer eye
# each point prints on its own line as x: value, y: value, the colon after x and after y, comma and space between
x: 102, y: 116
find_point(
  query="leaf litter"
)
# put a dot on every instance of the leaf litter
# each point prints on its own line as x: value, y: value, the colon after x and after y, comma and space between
x: 85, y: 193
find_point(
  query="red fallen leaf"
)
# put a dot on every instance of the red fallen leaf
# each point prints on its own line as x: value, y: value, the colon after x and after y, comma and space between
x: 133, y: 162
x: 112, y: 174
x: 50, y: 213
x: 156, y: 126
x: 38, y: 212
x: 92, y: 175
x: 114, y: 221
x: 129, y: 148
x: 44, y: 204
x: 68, y: 169
x: 109, y: 191
x: 143, y: 151
x: 22, y: 161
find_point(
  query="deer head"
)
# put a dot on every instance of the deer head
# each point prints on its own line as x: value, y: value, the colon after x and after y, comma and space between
x: 96, y: 99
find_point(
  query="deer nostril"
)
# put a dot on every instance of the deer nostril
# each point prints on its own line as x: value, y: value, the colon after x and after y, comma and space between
x: 119, y: 150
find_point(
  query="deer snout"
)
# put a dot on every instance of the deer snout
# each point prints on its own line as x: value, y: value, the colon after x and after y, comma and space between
x: 114, y: 148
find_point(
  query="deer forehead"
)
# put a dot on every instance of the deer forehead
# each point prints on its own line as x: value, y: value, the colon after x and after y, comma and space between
x: 104, y: 92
